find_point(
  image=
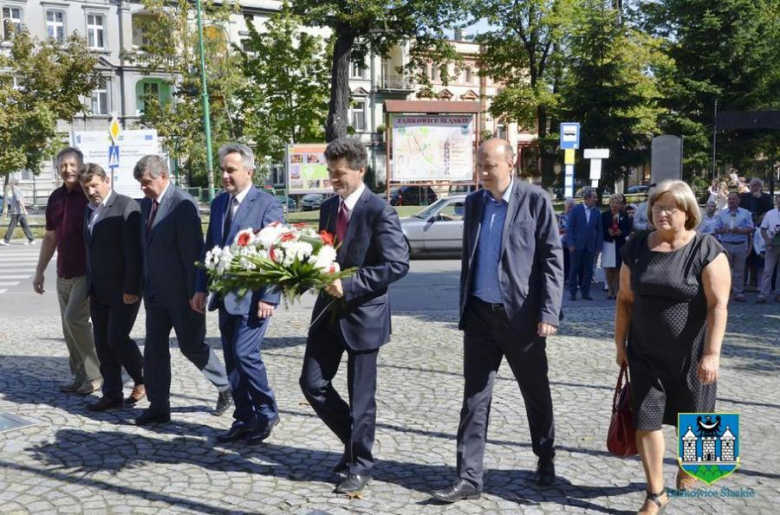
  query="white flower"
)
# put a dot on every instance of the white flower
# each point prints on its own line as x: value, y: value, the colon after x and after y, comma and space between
x: 268, y: 235
x: 245, y: 264
x: 293, y: 250
x: 212, y: 258
x: 225, y: 258
x: 325, y: 257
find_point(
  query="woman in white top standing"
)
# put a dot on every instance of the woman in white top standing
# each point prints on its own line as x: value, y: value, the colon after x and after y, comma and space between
x: 722, y: 198
x: 709, y: 221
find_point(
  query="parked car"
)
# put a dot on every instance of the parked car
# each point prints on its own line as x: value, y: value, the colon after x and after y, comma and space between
x: 412, y: 196
x: 456, y: 188
x: 641, y: 188
x: 286, y: 206
x: 437, y: 228
x: 312, y: 201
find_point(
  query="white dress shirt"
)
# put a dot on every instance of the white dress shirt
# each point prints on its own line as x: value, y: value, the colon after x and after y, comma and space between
x: 351, y: 201
x: 97, y: 211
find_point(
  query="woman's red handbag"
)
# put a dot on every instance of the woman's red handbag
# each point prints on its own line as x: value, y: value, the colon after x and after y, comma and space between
x: 621, y: 439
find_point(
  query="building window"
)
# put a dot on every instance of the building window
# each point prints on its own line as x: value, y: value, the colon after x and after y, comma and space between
x: 154, y: 88
x: 359, y: 115
x: 100, y: 99
x: 468, y: 76
x: 96, y: 31
x: 358, y: 70
x: 12, y: 22
x: 55, y: 25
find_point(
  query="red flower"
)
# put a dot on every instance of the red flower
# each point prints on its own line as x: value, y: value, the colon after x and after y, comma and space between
x: 272, y: 253
x: 288, y: 236
x: 327, y: 238
x: 243, y: 239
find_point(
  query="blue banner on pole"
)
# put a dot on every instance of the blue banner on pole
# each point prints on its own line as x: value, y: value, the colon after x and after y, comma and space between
x: 570, y: 135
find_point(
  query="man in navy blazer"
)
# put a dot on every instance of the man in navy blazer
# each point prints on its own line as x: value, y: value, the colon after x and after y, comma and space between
x: 585, y: 238
x: 353, y: 314
x: 510, y: 299
x: 242, y: 324
x: 172, y: 242
x: 112, y: 235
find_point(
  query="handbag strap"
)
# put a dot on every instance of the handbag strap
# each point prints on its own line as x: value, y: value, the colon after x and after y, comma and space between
x: 619, y: 386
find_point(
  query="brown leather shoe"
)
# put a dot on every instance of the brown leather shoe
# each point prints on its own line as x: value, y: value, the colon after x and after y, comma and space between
x: 90, y: 386
x: 685, y: 481
x: 138, y: 393
x: 69, y: 387
x: 104, y: 404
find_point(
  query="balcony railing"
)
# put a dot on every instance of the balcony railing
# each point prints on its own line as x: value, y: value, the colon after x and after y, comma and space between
x: 398, y: 82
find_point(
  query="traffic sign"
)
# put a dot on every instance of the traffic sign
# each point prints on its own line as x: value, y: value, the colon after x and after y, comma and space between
x: 570, y: 135
x: 113, y: 156
x: 596, y: 153
x: 114, y: 129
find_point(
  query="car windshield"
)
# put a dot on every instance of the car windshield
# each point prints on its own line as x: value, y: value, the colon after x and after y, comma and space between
x: 430, y: 210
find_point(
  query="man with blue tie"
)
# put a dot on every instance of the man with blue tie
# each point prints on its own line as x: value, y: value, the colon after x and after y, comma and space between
x: 172, y: 243
x: 353, y: 314
x: 242, y: 322
x: 511, y: 285
x: 585, y: 238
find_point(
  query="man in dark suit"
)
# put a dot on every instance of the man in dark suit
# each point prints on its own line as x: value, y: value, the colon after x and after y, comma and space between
x: 172, y: 243
x: 371, y: 241
x: 510, y: 298
x: 585, y: 238
x: 242, y: 322
x: 112, y: 234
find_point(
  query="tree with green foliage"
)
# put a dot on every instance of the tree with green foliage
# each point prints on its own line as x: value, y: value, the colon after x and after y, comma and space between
x: 727, y: 52
x: 284, y: 98
x: 607, y: 89
x: 170, y: 48
x: 41, y: 82
x: 364, y: 27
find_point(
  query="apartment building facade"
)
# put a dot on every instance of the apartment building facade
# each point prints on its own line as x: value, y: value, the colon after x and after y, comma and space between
x: 113, y: 30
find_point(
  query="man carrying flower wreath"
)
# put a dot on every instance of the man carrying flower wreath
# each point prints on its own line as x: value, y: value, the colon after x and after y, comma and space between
x: 243, y: 321
x: 370, y: 242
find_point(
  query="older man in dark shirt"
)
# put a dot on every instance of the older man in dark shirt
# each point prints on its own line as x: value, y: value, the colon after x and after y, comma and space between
x: 64, y: 233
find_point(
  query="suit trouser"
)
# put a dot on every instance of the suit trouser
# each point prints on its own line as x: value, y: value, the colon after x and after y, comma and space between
x: 770, y: 262
x: 488, y: 338
x: 737, y: 254
x: 354, y: 423
x: 190, y: 328
x: 77, y: 330
x: 241, y: 343
x: 581, y: 272
x: 115, y: 348
x: 21, y: 220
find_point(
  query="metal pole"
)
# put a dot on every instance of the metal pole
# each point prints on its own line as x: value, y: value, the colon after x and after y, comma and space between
x: 206, y: 114
x: 714, y: 139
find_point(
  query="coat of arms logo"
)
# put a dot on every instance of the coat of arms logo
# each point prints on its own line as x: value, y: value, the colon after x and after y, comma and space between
x: 708, y: 444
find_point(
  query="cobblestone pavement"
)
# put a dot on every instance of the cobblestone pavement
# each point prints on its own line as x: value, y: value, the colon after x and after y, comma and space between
x: 74, y: 461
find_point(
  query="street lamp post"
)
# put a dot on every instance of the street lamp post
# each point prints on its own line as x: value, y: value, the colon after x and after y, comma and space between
x: 206, y: 114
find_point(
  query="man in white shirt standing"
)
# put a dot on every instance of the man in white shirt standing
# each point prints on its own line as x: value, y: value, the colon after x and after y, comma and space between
x: 735, y: 225
x: 770, y: 230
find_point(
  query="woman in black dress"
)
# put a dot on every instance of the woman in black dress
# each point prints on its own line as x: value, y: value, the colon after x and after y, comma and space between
x: 669, y: 325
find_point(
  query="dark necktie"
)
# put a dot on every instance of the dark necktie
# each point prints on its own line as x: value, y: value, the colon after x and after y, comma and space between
x: 153, y: 214
x: 342, y: 222
x: 228, y: 220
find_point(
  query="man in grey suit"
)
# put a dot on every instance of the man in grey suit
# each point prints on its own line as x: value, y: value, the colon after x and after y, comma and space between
x: 510, y: 299
x: 172, y: 242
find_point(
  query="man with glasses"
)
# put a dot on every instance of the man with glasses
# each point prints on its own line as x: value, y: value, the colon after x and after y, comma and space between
x: 735, y: 225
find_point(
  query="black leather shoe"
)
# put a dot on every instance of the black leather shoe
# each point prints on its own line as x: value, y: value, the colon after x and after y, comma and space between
x: 545, y: 472
x: 460, y: 489
x: 587, y: 297
x: 104, y: 403
x: 224, y: 402
x: 152, y: 417
x: 260, y: 433
x: 238, y: 431
x: 341, y: 468
x: 353, y: 483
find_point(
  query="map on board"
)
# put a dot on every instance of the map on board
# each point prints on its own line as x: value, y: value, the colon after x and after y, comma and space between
x: 432, y: 148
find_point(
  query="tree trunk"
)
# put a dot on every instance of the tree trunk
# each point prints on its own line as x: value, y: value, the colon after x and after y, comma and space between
x: 338, y: 109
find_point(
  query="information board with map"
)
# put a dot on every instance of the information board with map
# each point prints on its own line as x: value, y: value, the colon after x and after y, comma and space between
x: 307, y: 169
x: 432, y: 148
